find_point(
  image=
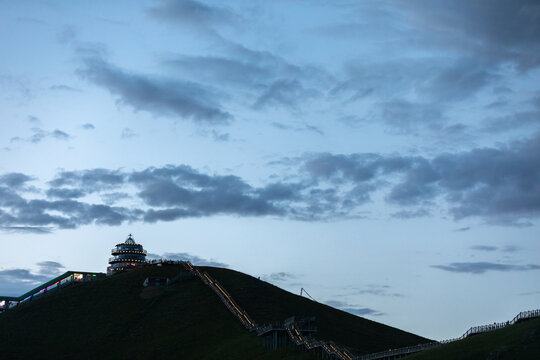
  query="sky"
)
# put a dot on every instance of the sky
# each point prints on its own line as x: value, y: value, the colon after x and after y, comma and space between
x: 384, y: 156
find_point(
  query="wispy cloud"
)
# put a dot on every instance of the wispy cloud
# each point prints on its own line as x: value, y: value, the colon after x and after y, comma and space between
x: 353, y: 309
x: 483, y: 267
x: 40, y: 134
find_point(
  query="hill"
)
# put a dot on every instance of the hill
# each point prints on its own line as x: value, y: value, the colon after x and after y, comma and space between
x: 519, y: 341
x: 114, y: 318
x: 266, y: 302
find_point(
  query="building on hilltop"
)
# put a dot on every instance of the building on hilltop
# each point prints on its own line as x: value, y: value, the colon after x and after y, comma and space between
x: 126, y: 256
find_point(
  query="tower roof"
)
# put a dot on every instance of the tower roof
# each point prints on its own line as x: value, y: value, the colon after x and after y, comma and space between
x: 130, y: 240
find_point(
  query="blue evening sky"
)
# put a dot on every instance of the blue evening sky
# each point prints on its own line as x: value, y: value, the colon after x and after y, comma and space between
x: 383, y: 155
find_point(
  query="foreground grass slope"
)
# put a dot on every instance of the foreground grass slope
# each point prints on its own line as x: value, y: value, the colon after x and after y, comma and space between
x: 265, y: 302
x: 108, y: 319
x: 519, y: 341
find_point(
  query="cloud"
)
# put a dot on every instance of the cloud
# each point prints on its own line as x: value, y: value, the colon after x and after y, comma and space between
x: 221, y: 137
x: 484, y: 248
x: 376, y: 290
x: 194, y: 259
x: 193, y: 13
x: 14, y: 282
x: 474, y: 28
x: 262, y: 77
x: 406, y: 214
x: 27, y: 229
x: 40, y: 134
x: 64, y: 193
x: 65, y: 213
x: 61, y: 87
x: 482, y: 267
x: 24, y: 275
x: 356, y: 310
x: 90, y: 180
x: 15, y: 180
x: 279, y: 276
x: 298, y: 128
x: 158, y: 95
x: 34, y: 119
x: 284, y: 92
x: 128, y: 133
x: 508, y: 248
x: 530, y: 293
x: 49, y: 268
x: 498, y: 185
x: 111, y: 198
x: 88, y: 126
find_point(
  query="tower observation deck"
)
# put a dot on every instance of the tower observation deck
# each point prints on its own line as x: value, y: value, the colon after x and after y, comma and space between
x: 126, y: 256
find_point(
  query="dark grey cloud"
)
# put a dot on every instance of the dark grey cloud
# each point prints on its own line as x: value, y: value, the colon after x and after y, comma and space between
x: 262, y: 77
x: 61, y: 87
x: 33, y: 119
x: 186, y: 192
x: 484, y: 247
x: 193, y: 13
x: 499, y: 185
x: 221, y: 137
x: 530, y: 293
x: 460, y: 49
x: 20, y: 213
x: 298, y: 128
x: 157, y: 95
x: 407, y: 116
x: 474, y: 27
x: 194, y: 259
x: 279, y: 276
x: 50, y: 268
x: 356, y: 310
x: 373, y: 289
x: 410, y: 214
x: 284, y: 92
x: 64, y: 193
x: 482, y: 267
x: 15, y: 180
x: 40, y: 134
x: 90, y: 180
x: 507, y: 248
x: 509, y: 122
x: 15, y: 275
x: 27, y: 229
x: 88, y: 126
x: 14, y: 282
x: 113, y: 197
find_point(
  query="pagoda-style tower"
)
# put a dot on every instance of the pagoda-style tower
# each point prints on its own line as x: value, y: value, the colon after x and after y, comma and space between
x: 126, y: 256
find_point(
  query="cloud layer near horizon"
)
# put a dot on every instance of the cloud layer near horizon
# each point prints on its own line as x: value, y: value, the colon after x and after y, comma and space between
x: 499, y: 185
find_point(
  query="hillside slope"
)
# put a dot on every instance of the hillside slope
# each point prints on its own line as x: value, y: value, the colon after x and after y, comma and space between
x: 519, y: 341
x: 109, y: 318
x: 265, y: 302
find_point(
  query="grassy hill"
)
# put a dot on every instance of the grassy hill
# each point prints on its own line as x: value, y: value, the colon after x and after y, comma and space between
x: 265, y: 302
x: 519, y: 341
x: 115, y: 318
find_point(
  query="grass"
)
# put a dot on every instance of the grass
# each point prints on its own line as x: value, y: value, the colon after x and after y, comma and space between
x: 265, y: 302
x: 519, y: 341
x: 107, y: 319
